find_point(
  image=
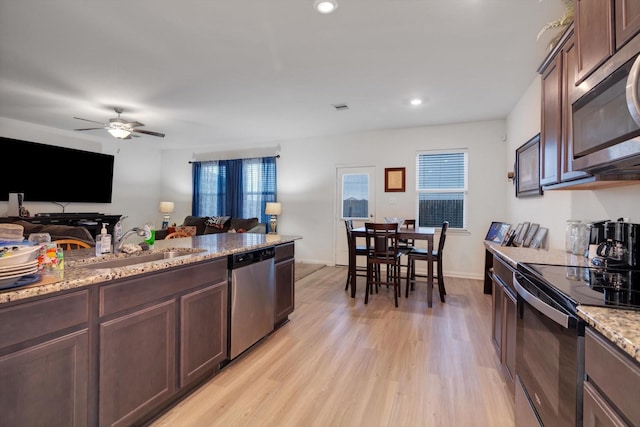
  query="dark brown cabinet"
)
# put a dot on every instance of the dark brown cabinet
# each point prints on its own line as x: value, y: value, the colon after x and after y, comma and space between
x: 137, y: 363
x: 285, y: 283
x: 503, y: 318
x: 594, y: 35
x: 556, y: 138
x: 612, y: 384
x: 602, y: 28
x: 159, y: 334
x: 203, y: 329
x: 44, y: 362
x: 627, y: 21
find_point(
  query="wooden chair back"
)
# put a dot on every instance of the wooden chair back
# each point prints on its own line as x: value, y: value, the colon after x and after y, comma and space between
x: 382, y: 242
x: 68, y: 244
x: 177, y: 234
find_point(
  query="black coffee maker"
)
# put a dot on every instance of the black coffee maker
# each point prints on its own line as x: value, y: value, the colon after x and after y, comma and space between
x: 621, y: 245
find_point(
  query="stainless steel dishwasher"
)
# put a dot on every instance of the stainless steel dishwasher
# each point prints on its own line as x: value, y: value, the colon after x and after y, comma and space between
x: 252, y: 281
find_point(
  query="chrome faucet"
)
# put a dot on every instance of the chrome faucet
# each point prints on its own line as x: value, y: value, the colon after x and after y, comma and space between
x: 119, y: 237
x: 119, y: 242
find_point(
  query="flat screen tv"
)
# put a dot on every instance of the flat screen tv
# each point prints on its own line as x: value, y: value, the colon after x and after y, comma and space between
x: 46, y: 173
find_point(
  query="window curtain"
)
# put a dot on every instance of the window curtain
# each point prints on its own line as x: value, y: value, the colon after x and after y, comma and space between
x: 237, y: 188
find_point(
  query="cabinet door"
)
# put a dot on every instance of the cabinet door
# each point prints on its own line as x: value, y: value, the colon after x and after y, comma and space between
x: 550, y: 137
x: 627, y: 21
x: 285, y: 290
x: 203, y: 331
x: 594, y: 34
x: 509, y: 344
x: 568, y: 87
x: 596, y: 410
x: 497, y: 297
x: 46, y: 385
x: 137, y: 363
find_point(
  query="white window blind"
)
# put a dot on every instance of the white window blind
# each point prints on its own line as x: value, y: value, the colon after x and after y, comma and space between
x: 442, y: 188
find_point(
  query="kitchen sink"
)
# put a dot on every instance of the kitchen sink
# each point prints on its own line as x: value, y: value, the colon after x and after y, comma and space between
x: 140, y: 259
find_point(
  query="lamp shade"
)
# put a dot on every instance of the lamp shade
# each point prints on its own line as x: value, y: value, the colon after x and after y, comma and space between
x: 273, y: 208
x: 167, y: 207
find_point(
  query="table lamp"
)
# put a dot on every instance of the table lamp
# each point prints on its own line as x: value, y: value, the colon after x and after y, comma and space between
x: 274, y: 209
x: 166, y: 208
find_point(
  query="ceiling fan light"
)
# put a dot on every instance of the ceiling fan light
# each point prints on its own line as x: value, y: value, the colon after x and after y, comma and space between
x: 119, y: 133
x: 325, y: 6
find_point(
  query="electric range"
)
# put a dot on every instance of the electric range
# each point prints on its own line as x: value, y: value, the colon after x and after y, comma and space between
x: 611, y: 287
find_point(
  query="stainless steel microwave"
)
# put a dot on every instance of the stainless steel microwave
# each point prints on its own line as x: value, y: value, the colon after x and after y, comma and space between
x: 606, y: 116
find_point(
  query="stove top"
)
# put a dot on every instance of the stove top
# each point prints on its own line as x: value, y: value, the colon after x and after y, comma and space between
x: 597, y: 286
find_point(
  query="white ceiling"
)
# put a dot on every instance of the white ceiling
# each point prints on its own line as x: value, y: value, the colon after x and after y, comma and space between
x: 249, y: 72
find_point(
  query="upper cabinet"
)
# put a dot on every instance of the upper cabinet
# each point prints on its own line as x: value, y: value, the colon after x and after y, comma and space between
x: 556, y: 137
x: 588, y: 125
x: 602, y: 28
x: 594, y: 34
x: 627, y: 19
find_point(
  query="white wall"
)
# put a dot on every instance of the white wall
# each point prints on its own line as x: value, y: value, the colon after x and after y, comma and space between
x: 136, y: 184
x: 307, y: 187
x: 306, y: 181
x: 555, y: 207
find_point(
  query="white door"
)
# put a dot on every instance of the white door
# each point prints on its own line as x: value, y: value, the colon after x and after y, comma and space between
x: 355, y: 192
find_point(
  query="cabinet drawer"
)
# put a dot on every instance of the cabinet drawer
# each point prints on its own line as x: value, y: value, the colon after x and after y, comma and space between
x: 614, y: 373
x: 284, y: 251
x: 39, y: 318
x: 154, y: 287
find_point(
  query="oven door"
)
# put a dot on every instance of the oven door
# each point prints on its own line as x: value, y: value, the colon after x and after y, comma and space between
x: 549, y: 365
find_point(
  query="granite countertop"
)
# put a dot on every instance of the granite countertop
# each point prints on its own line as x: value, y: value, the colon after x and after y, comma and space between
x: 621, y: 327
x: 197, y: 248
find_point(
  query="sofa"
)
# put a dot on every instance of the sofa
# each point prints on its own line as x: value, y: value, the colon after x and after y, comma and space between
x: 57, y: 231
x: 200, y: 225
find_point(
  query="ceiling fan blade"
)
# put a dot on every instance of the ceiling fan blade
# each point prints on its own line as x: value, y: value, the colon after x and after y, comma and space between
x: 134, y: 124
x: 90, y: 128
x: 87, y: 120
x: 148, y: 132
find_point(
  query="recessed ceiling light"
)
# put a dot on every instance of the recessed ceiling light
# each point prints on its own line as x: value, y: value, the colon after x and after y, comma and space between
x: 325, y: 6
x: 415, y: 102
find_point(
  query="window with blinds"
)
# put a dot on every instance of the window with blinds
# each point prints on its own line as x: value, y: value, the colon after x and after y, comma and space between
x: 441, y: 188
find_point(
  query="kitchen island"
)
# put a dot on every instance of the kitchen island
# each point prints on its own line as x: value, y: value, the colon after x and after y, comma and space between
x: 114, y: 345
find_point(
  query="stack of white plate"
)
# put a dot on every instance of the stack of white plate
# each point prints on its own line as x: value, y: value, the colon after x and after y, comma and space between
x: 16, y: 263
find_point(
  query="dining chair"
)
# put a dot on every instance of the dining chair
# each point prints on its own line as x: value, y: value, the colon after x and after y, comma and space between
x: 382, y: 249
x: 418, y: 254
x: 354, y: 252
x: 68, y: 244
x: 177, y: 234
x: 407, y: 245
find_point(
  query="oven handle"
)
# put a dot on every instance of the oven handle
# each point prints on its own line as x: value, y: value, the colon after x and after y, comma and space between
x: 633, y: 99
x: 557, y: 316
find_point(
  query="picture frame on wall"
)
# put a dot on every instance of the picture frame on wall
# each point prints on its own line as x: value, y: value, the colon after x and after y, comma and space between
x: 394, y: 180
x: 528, y: 168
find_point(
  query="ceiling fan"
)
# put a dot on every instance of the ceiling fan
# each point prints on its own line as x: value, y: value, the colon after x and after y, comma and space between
x: 121, y: 128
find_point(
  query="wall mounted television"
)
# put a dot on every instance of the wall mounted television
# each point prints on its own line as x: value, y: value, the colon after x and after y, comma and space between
x: 47, y: 173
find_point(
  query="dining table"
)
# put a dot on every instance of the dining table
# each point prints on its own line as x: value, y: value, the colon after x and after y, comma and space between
x: 405, y: 233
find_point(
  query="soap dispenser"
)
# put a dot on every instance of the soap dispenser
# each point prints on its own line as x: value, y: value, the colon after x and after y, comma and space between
x: 103, y: 241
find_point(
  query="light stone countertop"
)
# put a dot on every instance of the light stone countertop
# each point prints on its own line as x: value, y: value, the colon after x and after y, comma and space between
x: 621, y: 327
x: 197, y: 248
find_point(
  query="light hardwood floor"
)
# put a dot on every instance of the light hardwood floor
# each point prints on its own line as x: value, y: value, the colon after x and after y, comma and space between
x: 338, y: 362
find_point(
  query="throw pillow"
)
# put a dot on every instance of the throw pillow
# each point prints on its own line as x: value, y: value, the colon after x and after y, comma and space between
x: 217, y: 221
x: 198, y: 222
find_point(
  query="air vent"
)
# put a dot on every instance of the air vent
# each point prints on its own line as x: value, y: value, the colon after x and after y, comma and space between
x: 340, y: 107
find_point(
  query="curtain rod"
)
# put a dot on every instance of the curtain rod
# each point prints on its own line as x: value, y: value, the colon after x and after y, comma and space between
x: 277, y: 156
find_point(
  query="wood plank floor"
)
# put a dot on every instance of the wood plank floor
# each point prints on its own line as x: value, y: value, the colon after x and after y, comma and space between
x: 338, y: 362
